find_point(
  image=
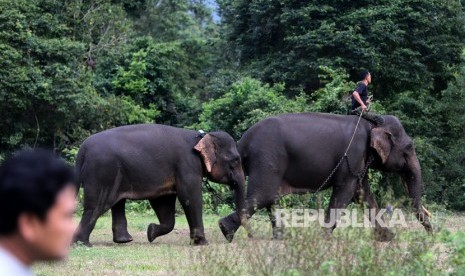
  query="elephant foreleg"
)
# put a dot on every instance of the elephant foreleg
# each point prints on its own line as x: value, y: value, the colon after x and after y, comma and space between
x: 190, y: 195
x: 164, y: 208
x: 262, y: 192
x: 340, y: 198
x: 382, y: 233
x: 277, y: 231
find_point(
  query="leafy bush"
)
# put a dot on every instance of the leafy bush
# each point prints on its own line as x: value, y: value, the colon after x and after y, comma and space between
x: 157, y: 76
x: 139, y: 206
x: 219, y: 201
x: 246, y: 102
x: 334, y: 96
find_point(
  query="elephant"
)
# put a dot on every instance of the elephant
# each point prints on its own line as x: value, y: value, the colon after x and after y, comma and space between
x: 159, y: 163
x: 297, y: 153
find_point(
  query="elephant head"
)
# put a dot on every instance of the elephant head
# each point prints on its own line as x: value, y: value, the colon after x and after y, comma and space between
x: 396, y: 153
x: 223, y: 165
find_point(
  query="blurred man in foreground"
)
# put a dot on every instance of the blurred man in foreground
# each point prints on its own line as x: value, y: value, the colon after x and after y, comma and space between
x: 37, y: 206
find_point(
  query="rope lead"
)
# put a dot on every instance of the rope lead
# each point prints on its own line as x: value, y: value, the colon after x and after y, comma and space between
x: 345, y: 156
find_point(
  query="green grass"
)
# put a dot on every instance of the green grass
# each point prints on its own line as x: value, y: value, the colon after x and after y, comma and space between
x: 348, y: 252
x: 164, y: 255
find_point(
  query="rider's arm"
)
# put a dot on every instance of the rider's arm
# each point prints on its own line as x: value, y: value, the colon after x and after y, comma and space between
x: 359, y: 100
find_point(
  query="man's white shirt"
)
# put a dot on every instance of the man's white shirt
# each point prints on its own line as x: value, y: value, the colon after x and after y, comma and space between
x: 10, y: 266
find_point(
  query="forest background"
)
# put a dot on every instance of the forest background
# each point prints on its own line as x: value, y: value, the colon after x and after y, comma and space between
x: 72, y: 68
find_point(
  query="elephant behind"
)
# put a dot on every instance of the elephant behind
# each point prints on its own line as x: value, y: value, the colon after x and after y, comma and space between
x: 155, y: 162
x: 295, y: 153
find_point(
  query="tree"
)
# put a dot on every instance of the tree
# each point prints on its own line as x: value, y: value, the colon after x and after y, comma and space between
x: 246, y: 102
x: 407, y: 44
x: 157, y: 76
x: 437, y: 125
x: 167, y: 63
x: 46, y: 91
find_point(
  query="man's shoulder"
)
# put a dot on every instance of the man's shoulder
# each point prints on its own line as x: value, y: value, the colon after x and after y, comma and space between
x: 361, y: 84
x: 361, y: 87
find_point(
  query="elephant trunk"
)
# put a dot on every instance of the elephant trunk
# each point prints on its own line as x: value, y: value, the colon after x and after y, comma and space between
x: 239, y: 196
x: 413, y: 184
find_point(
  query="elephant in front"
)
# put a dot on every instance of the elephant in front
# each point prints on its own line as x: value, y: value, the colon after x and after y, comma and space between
x: 159, y: 163
x: 296, y: 153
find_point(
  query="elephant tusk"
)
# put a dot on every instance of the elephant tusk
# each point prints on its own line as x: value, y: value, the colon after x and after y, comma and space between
x: 427, y: 213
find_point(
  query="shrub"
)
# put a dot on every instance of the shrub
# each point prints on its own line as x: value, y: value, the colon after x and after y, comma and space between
x: 246, y: 102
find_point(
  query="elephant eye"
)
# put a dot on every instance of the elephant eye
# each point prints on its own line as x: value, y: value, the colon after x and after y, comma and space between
x: 409, y: 147
x: 234, y: 162
x: 406, y: 155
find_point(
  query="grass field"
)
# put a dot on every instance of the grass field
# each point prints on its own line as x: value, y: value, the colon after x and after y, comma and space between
x: 301, y: 252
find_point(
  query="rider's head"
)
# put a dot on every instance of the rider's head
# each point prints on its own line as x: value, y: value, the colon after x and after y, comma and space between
x: 365, y: 75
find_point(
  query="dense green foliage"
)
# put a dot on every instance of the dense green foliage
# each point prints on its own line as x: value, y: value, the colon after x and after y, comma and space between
x: 72, y: 68
x: 407, y: 44
x: 245, y: 103
x: 46, y: 91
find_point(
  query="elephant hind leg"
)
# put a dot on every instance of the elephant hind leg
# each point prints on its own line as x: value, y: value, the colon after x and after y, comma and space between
x: 96, y: 203
x: 119, y: 223
x: 164, y: 208
x: 85, y: 227
x: 87, y: 224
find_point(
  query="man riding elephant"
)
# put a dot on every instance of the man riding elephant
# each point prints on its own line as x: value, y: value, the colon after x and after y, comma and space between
x: 310, y: 152
x: 360, y: 100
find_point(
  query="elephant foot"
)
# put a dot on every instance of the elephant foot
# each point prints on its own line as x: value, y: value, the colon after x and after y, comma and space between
x: 151, y: 232
x: 78, y: 239
x: 328, y: 232
x: 84, y: 243
x: 157, y: 230
x: 121, y: 235
x: 199, y: 241
x: 428, y: 228
x: 227, y: 233
x: 122, y: 238
x: 384, y: 234
x: 278, y: 233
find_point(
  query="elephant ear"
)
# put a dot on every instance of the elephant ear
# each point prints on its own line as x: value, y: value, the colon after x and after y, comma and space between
x: 206, y: 148
x: 381, y: 141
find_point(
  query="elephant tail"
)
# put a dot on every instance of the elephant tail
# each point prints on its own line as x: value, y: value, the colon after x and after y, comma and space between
x: 78, y: 168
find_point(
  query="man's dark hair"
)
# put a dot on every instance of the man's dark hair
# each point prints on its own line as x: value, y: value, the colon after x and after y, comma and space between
x: 30, y: 181
x: 364, y: 74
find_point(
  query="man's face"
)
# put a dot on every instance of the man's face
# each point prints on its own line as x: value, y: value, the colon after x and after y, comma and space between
x: 51, y: 238
x: 368, y: 78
